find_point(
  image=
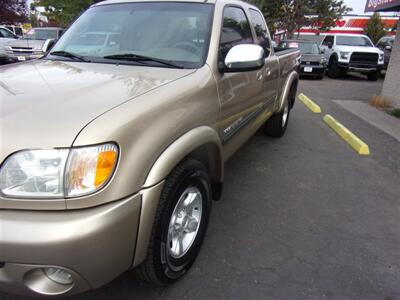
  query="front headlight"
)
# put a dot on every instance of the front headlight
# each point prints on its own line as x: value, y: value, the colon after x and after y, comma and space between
x: 381, y: 56
x: 322, y: 61
x: 58, y: 173
x: 344, y: 55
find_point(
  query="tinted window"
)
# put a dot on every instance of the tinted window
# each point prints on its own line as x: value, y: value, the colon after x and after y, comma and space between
x: 18, y: 31
x: 328, y: 40
x: 262, y: 36
x: 305, y: 48
x: 6, y: 34
x: 235, y: 31
x: 346, y: 40
x: 41, y: 34
x: 177, y: 32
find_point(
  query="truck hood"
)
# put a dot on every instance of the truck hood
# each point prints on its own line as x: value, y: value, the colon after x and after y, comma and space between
x: 45, y: 104
x: 24, y: 43
x: 358, y: 49
x: 311, y: 57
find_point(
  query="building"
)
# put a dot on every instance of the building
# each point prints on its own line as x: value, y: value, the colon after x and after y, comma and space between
x: 351, y: 24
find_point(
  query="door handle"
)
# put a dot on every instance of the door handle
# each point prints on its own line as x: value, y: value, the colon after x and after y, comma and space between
x: 259, y: 76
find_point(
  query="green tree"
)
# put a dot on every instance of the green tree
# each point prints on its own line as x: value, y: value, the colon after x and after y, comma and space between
x: 63, y: 12
x: 328, y: 12
x: 374, y: 28
x: 12, y: 11
x: 291, y: 15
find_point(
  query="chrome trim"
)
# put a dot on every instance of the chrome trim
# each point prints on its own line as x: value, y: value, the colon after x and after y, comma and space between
x: 238, y: 124
x: 185, y: 222
x: 245, y: 56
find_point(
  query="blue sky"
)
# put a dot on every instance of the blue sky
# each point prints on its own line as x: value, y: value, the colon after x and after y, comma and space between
x: 357, y: 5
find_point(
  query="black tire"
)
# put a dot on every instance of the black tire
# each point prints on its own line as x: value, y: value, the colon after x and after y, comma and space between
x: 276, y: 125
x: 160, y: 267
x: 333, y: 68
x: 373, y: 76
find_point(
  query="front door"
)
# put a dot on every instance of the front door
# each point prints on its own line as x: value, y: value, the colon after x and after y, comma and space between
x: 241, y: 94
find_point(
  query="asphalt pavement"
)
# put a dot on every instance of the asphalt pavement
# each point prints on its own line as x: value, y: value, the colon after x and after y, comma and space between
x: 302, y: 217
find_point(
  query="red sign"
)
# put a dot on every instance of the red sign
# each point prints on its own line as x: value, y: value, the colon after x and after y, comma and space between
x: 382, y: 5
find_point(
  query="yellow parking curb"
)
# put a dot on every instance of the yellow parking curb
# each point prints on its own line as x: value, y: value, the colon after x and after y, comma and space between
x: 357, y: 144
x: 309, y: 103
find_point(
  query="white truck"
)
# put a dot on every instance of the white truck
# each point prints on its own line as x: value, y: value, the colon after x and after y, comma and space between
x: 352, y: 53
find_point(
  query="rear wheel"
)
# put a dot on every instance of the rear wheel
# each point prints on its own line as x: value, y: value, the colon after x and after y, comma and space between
x: 180, y: 224
x: 277, y: 124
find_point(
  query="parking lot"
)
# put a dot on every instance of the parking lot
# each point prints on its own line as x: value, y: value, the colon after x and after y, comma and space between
x: 302, y: 217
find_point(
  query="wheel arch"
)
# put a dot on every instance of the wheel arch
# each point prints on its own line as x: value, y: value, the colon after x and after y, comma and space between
x: 290, y: 84
x: 201, y: 143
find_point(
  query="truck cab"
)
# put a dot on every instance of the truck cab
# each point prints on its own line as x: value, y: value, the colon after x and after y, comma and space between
x: 114, y: 143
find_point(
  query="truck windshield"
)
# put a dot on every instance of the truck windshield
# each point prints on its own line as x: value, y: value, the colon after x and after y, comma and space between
x: 170, y: 32
x: 353, y: 41
x: 41, y: 34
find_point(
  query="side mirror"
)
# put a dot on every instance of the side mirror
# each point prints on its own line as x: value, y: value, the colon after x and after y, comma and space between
x: 330, y: 45
x: 388, y: 47
x: 48, y: 44
x: 243, y: 58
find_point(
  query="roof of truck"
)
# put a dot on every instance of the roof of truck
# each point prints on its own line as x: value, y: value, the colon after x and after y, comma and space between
x: 131, y: 1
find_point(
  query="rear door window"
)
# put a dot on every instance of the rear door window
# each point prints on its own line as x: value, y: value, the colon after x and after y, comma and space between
x: 262, y: 34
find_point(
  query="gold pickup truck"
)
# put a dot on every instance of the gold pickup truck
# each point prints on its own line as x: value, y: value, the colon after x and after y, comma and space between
x: 113, y: 144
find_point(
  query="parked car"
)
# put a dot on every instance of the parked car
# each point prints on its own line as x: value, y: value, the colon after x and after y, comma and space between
x: 6, y: 36
x: 386, y: 44
x: 34, y: 44
x: 17, y: 30
x: 111, y: 156
x: 352, y: 52
x: 313, y: 61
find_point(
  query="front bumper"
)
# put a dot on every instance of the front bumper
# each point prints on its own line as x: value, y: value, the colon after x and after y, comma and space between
x: 94, y: 245
x: 315, y: 70
x: 359, y: 67
x: 15, y: 57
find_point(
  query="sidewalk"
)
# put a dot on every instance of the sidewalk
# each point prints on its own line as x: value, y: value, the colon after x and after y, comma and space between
x: 373, y: 116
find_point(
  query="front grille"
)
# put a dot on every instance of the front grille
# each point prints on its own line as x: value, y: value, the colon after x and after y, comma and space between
x: 21, y: 50
x: 310, y: 63
x: 364, y: 59
x: 24, y: 48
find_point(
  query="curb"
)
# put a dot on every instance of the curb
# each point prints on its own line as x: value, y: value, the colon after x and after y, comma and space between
x: 356, y: 143
x: 311, y: 105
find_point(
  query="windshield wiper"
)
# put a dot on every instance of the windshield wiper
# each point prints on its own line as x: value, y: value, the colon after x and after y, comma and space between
x: 69, y: 55
x: 142, y: 58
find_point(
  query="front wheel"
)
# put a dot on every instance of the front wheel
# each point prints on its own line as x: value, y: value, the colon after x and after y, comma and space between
x: 180, y: 224
x: 277, y: 124
x: 373, y: 76
x: 333, y: 68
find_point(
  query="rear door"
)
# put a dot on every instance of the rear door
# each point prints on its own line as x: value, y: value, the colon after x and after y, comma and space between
x: 241, y: 94
x: 271, y: 71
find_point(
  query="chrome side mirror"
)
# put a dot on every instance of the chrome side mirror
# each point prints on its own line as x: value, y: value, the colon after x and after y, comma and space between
x: 243, y: 58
